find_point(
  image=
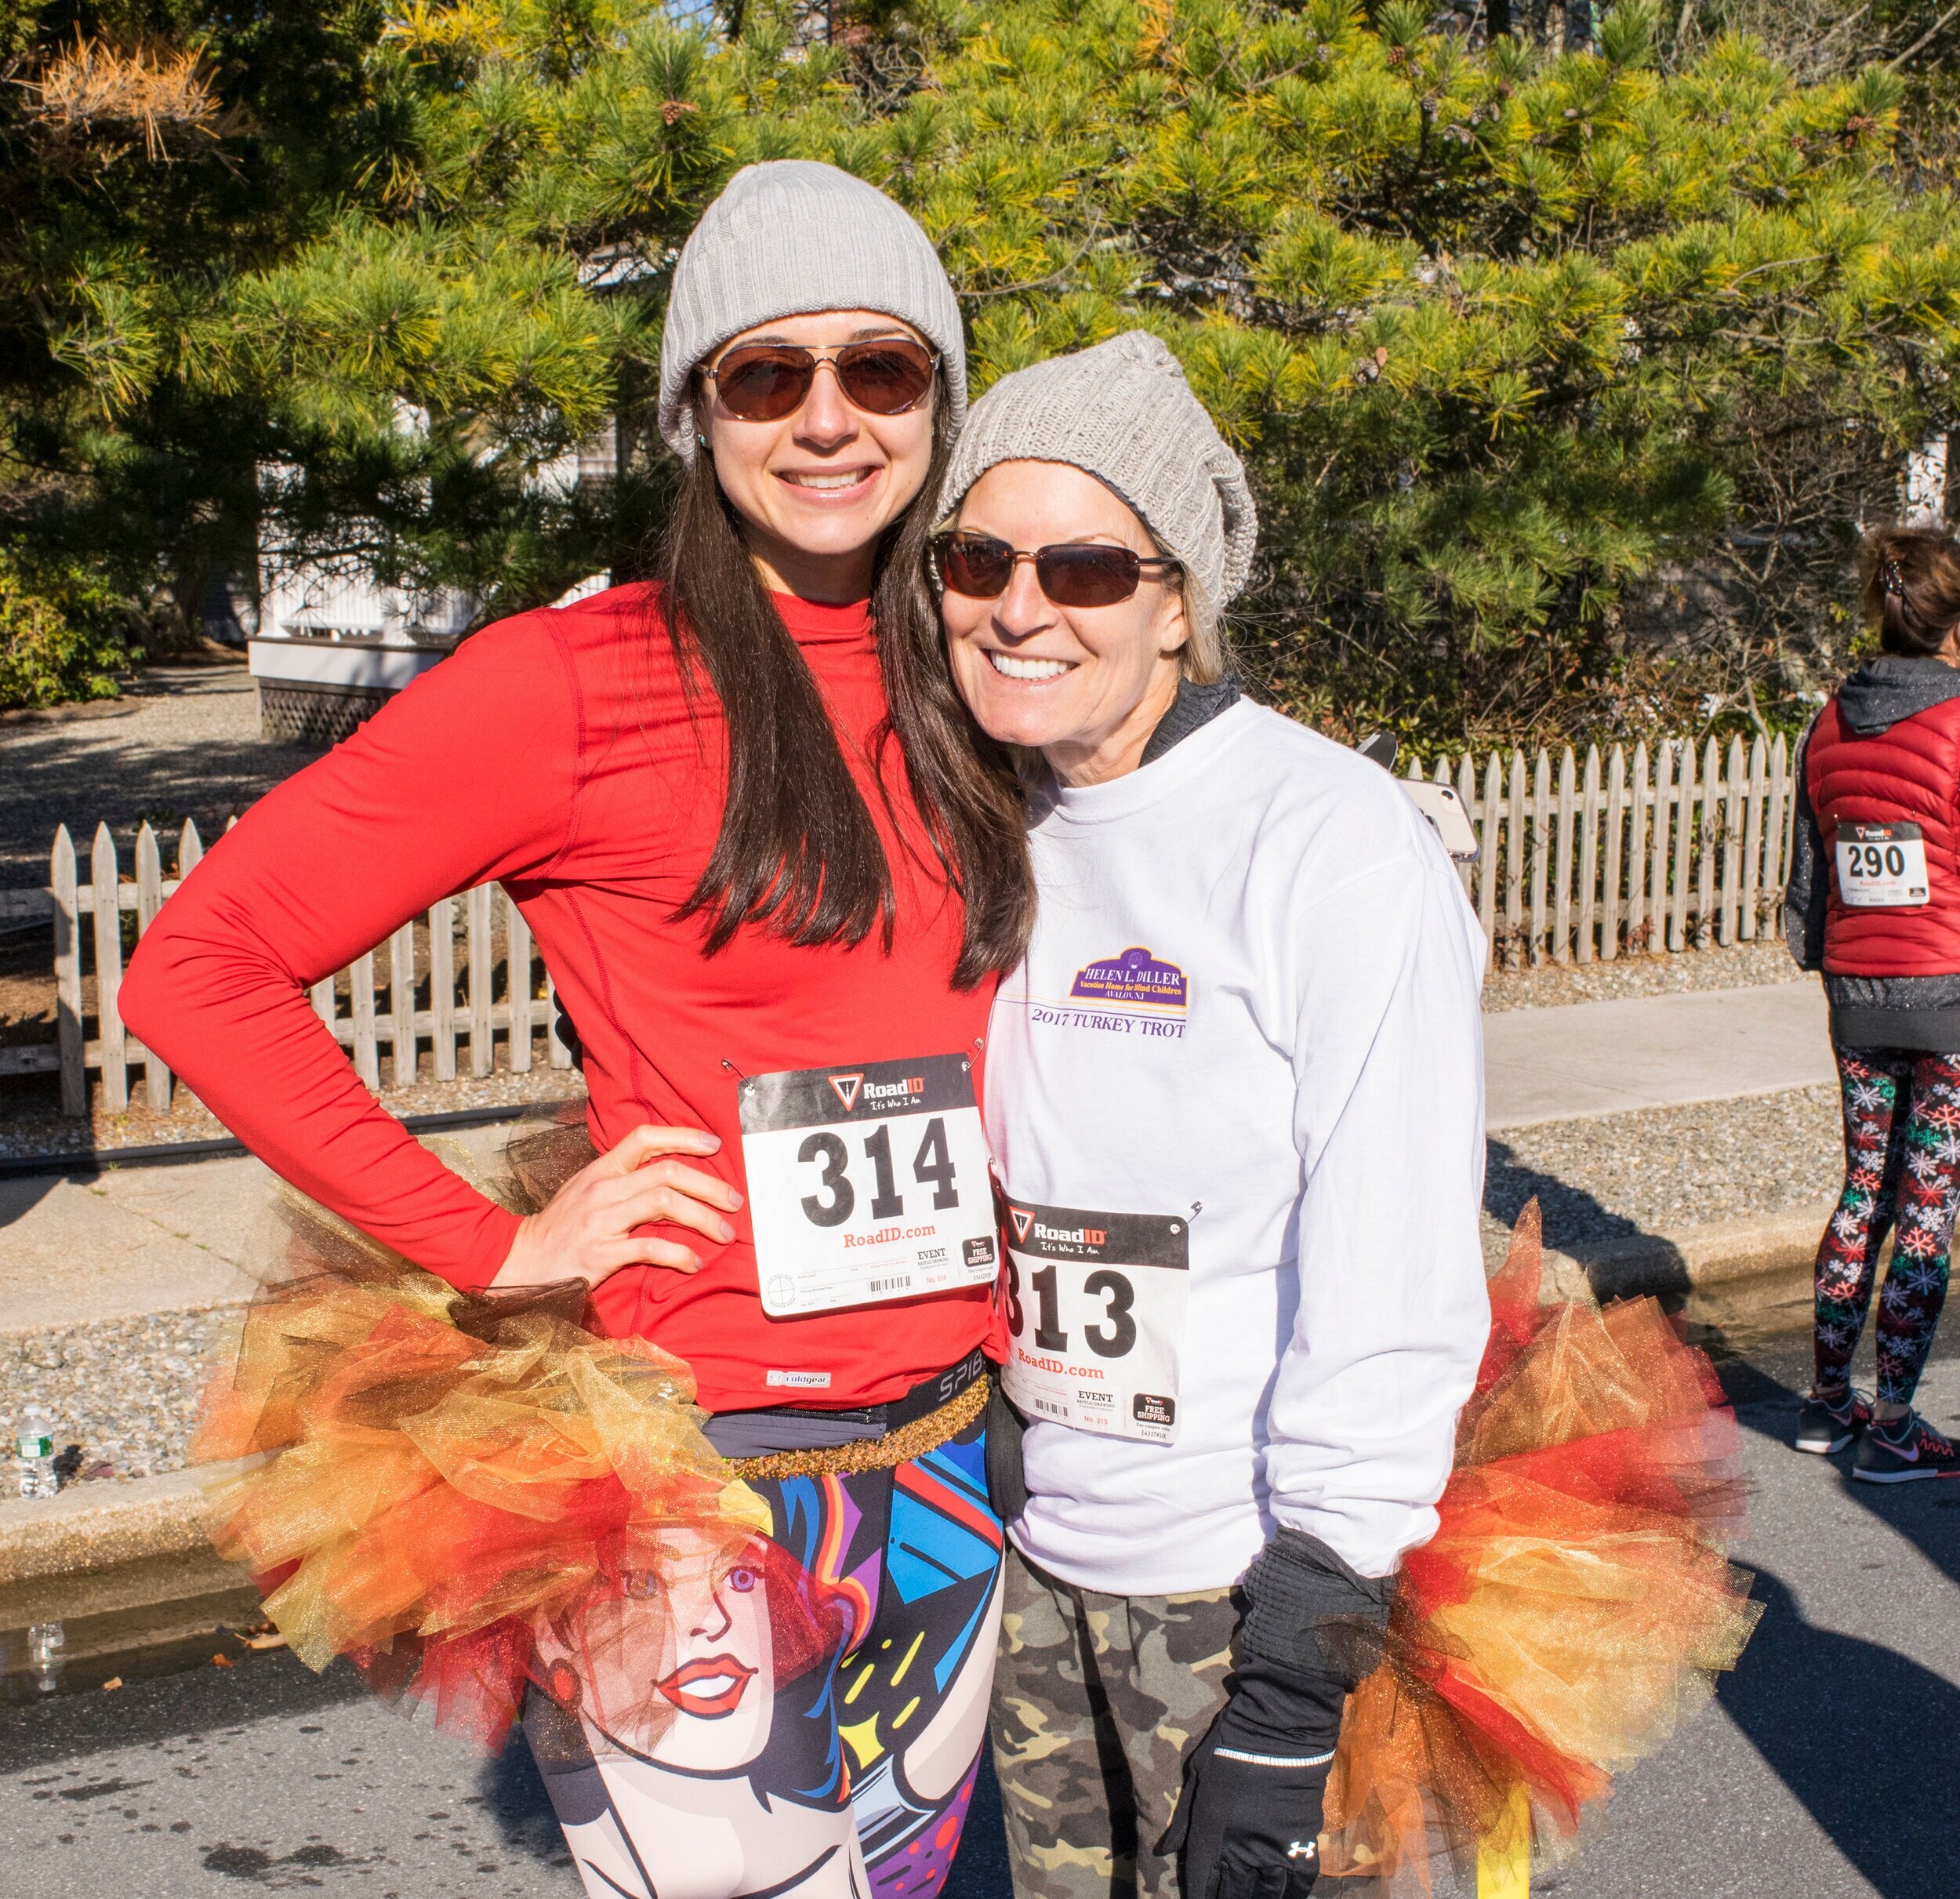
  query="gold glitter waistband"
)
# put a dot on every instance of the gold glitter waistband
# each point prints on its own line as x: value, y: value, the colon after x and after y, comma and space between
x: 895, y: 1447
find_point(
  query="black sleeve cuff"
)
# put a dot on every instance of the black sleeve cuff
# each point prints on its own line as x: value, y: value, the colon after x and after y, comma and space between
x: 1298, y: 1585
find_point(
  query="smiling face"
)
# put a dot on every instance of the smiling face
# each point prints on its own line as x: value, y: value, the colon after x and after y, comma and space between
x: 717, y: 1670
x: 1085, y: 685
x: 816, y: 489
x: 678, y: 1665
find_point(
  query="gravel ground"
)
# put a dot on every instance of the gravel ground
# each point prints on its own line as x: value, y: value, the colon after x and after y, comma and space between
x: 182, y: 742
x: 1552, y: 985
x: 1664, y: 1168
x: 124, y: 1391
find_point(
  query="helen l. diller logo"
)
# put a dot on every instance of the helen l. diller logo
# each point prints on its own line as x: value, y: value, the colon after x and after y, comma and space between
x: 1135, y: 978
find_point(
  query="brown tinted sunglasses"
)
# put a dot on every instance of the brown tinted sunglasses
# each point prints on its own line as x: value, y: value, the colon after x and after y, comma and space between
x: 763, y: 382
x: 1071, y: 573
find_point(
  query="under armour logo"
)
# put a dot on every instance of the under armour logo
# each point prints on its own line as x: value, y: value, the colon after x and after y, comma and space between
x: 1296, y: 1851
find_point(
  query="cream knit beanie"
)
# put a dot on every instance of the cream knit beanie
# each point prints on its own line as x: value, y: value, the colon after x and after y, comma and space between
x: 787, y: 238
x: 1124, y: 412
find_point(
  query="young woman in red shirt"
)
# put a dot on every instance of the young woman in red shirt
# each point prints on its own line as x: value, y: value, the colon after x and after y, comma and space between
x: 775, y: 871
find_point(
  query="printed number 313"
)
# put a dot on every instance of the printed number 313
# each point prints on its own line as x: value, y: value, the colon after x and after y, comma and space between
x: 1111, y: 1339
x: 932, y: 1166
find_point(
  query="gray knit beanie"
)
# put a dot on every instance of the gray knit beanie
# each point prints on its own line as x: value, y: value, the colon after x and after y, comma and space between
x: 1124, y: 412
x: 787, y: 238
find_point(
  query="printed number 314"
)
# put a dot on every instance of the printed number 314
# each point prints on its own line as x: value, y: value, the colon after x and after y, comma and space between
x: 932, y: 1166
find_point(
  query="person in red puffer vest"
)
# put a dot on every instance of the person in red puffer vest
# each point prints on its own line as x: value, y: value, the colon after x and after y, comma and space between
x: 1874, y: 903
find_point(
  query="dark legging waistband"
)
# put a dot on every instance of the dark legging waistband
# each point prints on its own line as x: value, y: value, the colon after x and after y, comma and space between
x: 780, y: 1429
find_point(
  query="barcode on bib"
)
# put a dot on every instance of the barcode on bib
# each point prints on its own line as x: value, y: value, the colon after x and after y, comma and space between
x: 1057, y: 1411
x: 890, y: 1285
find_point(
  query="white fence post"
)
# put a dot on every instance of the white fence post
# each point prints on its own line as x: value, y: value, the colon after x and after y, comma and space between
x: 1541, y: 849
x: 1758, y: 788
x: 367, y: 1061
x: 517, y: 986
x: 69, y: 1045
x: 156, y: 1076
x: 442, y: 986
x: 476, y: 910
x: 105, y: 893
x: 402, y: 1004
x: 1562, y: 864
x: 1708, y: 829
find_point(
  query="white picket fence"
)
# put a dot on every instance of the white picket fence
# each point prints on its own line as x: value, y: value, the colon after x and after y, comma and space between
x: 429, y: 987
x: 1657, y: 853
x: 1660, y: 852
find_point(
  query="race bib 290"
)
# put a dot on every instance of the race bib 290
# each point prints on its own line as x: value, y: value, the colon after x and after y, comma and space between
x: 1882, y: 867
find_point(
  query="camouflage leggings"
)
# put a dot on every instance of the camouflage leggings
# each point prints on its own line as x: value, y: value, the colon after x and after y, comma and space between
x: 1097, y: 1700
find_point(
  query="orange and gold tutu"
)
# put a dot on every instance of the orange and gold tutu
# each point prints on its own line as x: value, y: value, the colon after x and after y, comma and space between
x: 1575, y: 1603
x: 465, y: 1496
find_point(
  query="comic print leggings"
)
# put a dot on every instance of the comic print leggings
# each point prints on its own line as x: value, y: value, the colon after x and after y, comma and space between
x: 842, y: 1771
x: 1902, y: 1170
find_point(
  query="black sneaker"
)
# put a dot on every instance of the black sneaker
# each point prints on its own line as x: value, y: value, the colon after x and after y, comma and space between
x: 1826, y: 1428
x: 1903, y: 1451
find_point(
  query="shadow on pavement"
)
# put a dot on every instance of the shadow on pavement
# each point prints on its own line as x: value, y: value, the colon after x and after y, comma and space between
x: 513, y: 1792
x: 67, y: 1728
x: 1856, y: 1732
x: 1927, y: 1515
x: 1570, y: 1212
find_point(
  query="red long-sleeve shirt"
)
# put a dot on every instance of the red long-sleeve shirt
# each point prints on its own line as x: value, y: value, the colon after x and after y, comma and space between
x: 555, y: 754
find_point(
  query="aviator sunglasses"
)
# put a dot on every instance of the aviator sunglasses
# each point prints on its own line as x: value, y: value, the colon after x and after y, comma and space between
x: 763, y: 382
x: 1071, y: 573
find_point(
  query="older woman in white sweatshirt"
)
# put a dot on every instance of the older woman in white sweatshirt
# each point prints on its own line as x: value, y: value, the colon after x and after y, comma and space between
x: 1235, y: 1100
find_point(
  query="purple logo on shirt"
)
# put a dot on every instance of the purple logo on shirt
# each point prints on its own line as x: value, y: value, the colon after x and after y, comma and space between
x: 1135, y: 976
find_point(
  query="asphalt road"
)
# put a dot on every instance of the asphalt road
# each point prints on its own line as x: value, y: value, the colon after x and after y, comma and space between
x: 1825, y: 1767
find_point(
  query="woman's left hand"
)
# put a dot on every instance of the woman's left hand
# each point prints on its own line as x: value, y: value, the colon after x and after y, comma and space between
x: 587, y: 1231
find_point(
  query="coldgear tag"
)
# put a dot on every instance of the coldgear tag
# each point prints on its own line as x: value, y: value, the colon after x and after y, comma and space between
x: 1096, y: 1305
x: 867, y: 1183
x: 1881, y: 867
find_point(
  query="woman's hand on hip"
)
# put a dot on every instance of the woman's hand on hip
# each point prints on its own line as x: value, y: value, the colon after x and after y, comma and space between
x: 587, y: 1231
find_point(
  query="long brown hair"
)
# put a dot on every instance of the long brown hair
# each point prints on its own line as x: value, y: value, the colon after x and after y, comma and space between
x: 1911, y: 580
x: 798, y: 852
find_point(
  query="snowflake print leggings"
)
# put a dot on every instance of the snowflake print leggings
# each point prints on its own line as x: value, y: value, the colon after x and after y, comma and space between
x: 1902, y: 1169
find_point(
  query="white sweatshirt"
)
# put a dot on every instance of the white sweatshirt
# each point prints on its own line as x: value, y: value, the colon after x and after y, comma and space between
x: 1249, y: 1013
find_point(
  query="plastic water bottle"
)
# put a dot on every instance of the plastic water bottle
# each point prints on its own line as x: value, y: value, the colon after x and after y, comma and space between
x: 34, y: 1452
x: 45, y: 1641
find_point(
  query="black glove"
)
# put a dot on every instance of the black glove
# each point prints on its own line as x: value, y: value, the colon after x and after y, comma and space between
x: 1249, y: 1818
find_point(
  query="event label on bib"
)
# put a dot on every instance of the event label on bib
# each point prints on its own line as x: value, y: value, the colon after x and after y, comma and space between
x: 1881, y: 867
x: 868, y: 1183
x: 1096, y: 1306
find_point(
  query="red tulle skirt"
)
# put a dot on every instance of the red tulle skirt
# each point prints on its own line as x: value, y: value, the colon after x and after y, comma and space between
x: 469, y: 1497
x: 1575, y: 1605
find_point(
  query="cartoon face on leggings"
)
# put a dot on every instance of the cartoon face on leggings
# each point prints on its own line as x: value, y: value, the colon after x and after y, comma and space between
x: 716, y: 1669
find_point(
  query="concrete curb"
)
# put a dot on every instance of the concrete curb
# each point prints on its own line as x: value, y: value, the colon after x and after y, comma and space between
x: 104, y: 1547
x: 101, y: 1547
x: 1724, y: 1257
